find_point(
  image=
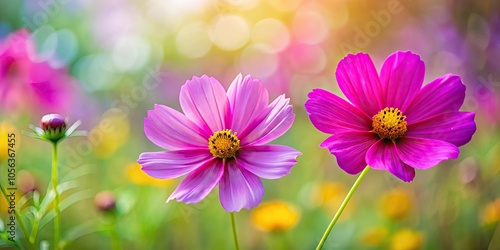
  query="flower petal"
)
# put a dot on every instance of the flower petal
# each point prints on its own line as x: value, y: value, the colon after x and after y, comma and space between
x: 171, y: 130
x: 248, y: 98
x: 350, y: 149
x: 331, y: 114
x: 239, y: 188
x: 273, y: 122
x: 267, y: 161
x: 443, y: 95
x: 402, y: 76
x: 359, y: 81
x: 17, y: 45
x: 383, y: 156
x: 452, y: 127
x: 423, y: 153
x: 198, y: 184
x: 403, y: 172
x: 172, y: 164
x: 204, y: 101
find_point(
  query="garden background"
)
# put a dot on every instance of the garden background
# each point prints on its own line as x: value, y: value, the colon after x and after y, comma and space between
x: 107, y: 62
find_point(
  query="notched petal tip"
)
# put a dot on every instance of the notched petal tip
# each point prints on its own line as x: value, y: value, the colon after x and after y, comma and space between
x: 195, y: 80
x: 315, y: 93
x: 170, y: 198
x: 409, y: 179
x: 355, y: 55
x: 239, y: 78
x: 403, y: 172
x: 408, y: 52
x: 358, y: 79
x: 270, y: 124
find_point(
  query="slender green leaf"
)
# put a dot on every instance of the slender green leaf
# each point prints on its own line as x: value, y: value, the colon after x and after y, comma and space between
x: 68, y: 201
x: 82, y: 230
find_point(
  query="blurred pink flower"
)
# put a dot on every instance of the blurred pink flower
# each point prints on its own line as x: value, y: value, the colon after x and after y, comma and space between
x: 27, y: 84
x: 220, y: 139
x: 391, y: 123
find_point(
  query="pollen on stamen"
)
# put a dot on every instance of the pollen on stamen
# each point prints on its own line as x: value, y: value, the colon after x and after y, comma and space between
x: 224, y: 144
x: 389, y: 123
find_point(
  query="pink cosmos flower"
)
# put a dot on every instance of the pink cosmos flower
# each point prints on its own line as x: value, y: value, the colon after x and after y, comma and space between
x: 391, y: 122
x: 220, y: 140
x: 27, y: 84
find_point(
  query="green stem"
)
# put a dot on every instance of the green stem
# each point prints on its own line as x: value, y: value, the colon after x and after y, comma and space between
x: 115, y: 238
x: 23, y: 228
x: 34, y: 230
x: 57, y: 223
x: 235, y: 236
x: 341, y: 208
x: 18, y: 217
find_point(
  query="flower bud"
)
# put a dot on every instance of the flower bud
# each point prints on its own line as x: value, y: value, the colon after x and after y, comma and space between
x: 27, y: 182
x: 53, y: 126
x: 105, y: 201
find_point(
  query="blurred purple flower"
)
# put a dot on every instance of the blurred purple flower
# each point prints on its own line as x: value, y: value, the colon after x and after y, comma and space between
x: 220, y: 140
x: 392, y: 122
x: 27, y: 84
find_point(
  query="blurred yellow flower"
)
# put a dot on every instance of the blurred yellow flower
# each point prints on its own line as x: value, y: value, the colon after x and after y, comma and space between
x: 5, y: 129
x: 375, y: 236
x: 330, y: 195
x: 275, y: 216
x: 110, y: 134
x: 491, y: 213
x: 396, y: 204
x: 137, y: 176
x: 407, y: 239
x: 4, y: 205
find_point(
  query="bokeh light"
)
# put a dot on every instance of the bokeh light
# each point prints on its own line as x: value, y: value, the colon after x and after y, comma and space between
x: 271, y: 35
x: 130, y: 53
x: 258, y: 62
x: 108, y: 62
x: 230, y: 32
x: 309, y: 26
x: 193, y: 40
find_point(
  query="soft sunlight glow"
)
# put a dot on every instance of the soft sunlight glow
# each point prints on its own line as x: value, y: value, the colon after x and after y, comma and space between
x: 45, y: 42
x: 257, y: 62
x: 193, y: 40
x: 66, y: 50
x: 130, y: 53
x: 230, y: 32
x: 309, y: 26
x: 271, y: 35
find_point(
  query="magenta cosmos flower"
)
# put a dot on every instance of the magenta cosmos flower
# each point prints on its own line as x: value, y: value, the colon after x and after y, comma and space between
x: 220, y: 140
x: 29, y: 84
x: 392, y: 122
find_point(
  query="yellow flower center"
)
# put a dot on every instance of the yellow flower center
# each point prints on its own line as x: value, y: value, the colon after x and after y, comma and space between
x: 223, y: 144
x: 389, y: 123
